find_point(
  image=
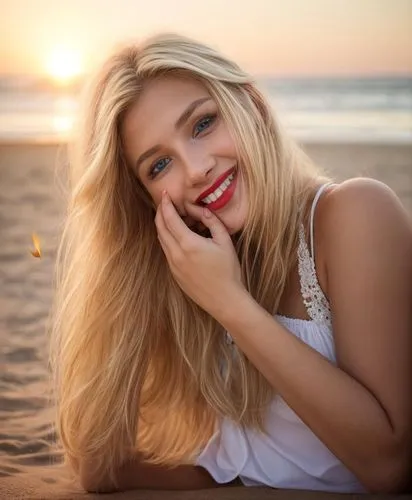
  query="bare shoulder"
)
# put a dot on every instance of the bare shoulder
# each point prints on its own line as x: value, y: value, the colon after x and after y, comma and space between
x: 363, y: 232
x: 363, y: 209
x: 369, y: 195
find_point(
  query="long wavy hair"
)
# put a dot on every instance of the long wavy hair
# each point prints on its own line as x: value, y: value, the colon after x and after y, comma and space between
x: 137, y: 365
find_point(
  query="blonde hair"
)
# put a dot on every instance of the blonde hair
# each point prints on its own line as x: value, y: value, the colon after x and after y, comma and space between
x: 137, y: 365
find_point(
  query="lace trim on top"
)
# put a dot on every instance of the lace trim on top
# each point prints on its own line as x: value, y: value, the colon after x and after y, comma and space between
x: 313, y: 297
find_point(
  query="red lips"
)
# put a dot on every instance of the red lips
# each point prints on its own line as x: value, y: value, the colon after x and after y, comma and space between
x: 215, y: 185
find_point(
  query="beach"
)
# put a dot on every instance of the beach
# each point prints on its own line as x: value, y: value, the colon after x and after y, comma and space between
x: 32, y: 200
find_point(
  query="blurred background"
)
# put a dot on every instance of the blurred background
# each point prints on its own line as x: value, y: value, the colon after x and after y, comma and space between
x: 338, y: 73
x: 335, y: 70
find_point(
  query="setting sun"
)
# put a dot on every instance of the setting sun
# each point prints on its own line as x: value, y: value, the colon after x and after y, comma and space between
x: 64, y: 64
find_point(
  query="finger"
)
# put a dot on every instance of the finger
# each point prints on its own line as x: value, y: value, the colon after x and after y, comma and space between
x: 210, y: 221
x: 172, y: 219
x: 195, y: 214
x: 194, y: 211
x: 165, y: 237
x: 216, y: 227
x: 162, y: 244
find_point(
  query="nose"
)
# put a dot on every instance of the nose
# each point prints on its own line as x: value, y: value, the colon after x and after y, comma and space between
x: 199, y: 169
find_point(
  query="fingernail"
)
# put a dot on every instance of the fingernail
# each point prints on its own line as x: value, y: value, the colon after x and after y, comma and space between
x: 207, y: 213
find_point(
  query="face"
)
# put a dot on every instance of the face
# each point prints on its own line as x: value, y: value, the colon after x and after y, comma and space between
x: 176, y: 140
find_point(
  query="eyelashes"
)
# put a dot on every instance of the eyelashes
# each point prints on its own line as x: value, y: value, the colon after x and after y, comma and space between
x: 200, y: 126
x: 208, y: 120
x: 154, y: 170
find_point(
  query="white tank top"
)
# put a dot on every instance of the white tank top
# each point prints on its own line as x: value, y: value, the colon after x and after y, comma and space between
x: 291, y: 456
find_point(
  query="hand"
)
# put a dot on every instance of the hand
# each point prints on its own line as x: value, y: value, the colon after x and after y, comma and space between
x: 206, y: 269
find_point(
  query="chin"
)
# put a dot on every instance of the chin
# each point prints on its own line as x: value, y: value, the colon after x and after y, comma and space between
x: 233, y: 227
x: 235, y: 218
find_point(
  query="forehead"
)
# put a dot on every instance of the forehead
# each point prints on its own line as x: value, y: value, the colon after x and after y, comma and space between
x: 157, y: 108
x: 170, y: 91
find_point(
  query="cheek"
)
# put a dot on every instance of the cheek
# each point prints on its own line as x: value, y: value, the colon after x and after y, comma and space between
x: 174, y: 192
x: 156, y: 196
x: 227, y: 144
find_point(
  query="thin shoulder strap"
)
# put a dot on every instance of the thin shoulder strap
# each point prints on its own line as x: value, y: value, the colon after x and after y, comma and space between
x: 312, y: 216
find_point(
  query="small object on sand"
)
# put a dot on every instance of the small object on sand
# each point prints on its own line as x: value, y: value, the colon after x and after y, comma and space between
x: 36, y: 242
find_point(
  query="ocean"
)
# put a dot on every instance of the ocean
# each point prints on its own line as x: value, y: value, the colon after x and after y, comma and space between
x: 365, y: 110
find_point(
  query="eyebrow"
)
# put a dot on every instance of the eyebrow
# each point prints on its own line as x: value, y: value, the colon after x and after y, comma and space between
x: 187, y: 113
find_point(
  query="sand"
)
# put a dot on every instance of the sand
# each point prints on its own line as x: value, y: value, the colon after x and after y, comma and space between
x: 31, y: 201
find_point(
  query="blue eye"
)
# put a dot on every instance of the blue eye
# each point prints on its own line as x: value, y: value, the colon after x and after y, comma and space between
x: 158, y: 166
x: 203, y: 124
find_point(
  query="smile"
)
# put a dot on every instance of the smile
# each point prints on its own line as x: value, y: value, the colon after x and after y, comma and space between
x: 222, y: 193
x: 212, y: 197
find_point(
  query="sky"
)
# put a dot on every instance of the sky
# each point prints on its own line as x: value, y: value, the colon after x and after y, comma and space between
x: 266, y: 37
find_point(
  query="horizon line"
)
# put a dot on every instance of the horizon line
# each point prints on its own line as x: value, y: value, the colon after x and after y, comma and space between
x: 315, y: 75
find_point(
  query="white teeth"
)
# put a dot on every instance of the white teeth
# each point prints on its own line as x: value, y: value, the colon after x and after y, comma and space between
x: 219, y: 191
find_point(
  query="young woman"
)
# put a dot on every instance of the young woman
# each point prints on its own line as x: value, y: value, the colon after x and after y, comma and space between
x: 224, y: 312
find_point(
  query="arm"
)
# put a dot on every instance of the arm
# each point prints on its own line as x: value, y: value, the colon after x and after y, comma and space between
x: 362, y: 409
x: 136, y: 474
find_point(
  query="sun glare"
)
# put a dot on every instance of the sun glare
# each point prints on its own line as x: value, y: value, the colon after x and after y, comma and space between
x: 64, y: 65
